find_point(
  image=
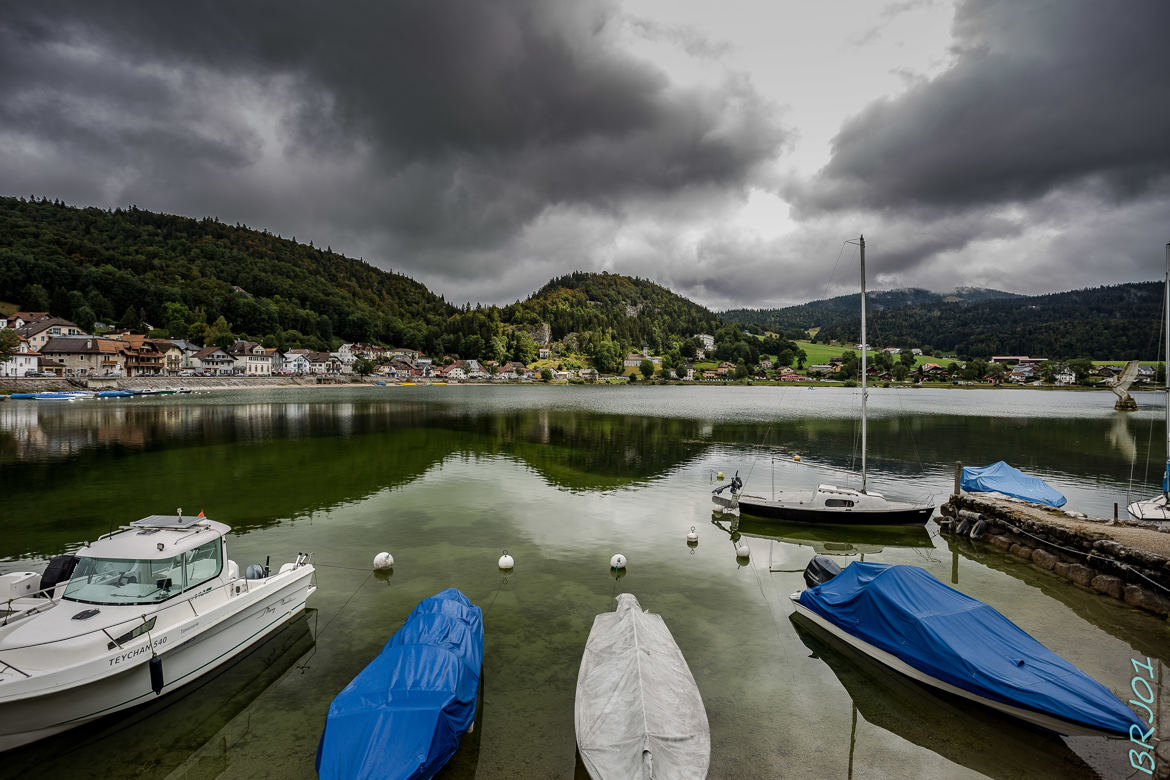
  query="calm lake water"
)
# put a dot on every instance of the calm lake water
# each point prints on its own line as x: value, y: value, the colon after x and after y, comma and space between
x: 445, y: 478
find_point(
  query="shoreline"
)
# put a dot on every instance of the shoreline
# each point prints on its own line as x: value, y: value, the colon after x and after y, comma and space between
x: 9, y: 385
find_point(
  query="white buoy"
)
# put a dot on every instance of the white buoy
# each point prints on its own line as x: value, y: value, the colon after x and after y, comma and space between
x: 742, y: 550
x: 618, y: 561
x: 506, y: 561
x: 383, y: 561
x: 693, y: 536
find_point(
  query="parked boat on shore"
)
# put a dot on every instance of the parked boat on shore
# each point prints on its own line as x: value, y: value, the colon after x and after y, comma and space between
x: 148, y: 608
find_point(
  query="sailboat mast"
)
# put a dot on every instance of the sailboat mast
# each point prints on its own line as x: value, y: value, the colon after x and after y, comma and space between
x: 864, y: 342
x: 1166, y: 370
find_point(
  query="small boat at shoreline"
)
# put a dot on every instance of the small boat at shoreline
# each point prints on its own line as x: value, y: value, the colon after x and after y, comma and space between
x: 908, y: 620
x: 637, y: 711
x: 404, y: 715
x: 148, y: 608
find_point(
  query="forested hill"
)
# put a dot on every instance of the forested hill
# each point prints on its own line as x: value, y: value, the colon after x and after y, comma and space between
x: 628, y: 310
x: 831, y: 311
x: 176, y: 272
x: 211, y: 283
x: 1120, y: 322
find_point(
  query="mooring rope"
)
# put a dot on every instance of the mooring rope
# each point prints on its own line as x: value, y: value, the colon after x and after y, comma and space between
x: 339, y: 566
x: 1088, y: 555
x: 336, y: 614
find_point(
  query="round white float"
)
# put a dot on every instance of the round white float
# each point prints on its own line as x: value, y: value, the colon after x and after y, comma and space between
x: 506, y: 561
x: 383, y: 561
x: 742, y: 550
x: 618, y: 561
x: 693, y: 536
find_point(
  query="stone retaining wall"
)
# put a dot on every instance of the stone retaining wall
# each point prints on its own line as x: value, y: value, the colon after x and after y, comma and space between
x: 1082, y: 555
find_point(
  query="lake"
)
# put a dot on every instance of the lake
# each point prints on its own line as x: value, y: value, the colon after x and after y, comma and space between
x: 562, y: 477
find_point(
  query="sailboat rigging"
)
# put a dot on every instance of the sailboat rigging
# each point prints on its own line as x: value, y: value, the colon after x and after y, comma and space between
x: 1158, y: 507
x: 829, y: 503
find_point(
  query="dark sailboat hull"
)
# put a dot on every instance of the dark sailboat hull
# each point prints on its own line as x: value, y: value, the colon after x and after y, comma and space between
x: 912, y: 515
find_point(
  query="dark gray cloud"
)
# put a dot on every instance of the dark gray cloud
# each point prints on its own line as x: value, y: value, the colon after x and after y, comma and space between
x: 1041, y: 96
x: 418, y: 134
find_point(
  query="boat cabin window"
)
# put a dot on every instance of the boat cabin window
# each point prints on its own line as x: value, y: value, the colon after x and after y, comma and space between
x: 130, y: 581
x: 839, y: 502
x: 203, y: 563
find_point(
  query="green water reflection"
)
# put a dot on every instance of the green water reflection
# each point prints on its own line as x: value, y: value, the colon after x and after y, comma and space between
x: 563, y: 478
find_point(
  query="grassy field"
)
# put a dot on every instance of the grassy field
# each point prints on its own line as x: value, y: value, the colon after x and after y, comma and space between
x: 819, y: 354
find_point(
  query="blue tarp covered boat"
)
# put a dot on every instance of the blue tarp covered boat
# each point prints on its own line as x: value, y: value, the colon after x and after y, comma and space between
x: 404, y: 714
x: 1002, y: 478
x: 904, y: 617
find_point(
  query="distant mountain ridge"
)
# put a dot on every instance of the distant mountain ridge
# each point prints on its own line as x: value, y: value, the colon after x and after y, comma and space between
x: 204, y: 280
x: 825, y: 312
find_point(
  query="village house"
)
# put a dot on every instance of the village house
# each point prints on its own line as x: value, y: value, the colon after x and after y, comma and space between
x: 251, y: 358
x: 295, y: 362
x: 452, y: 372
x: 22, y: 318
x: 213, y: 361
x: 788, y: 375
x: 88, y: 355
x: 23, y: 363
x: 707, y: 340
x: 142, y: 356
x: 172, y: 355
x: 685, y: 372
x: 187, y: 350
x: 323, y: 363
x: 40, y: 331
x: 474, y: 369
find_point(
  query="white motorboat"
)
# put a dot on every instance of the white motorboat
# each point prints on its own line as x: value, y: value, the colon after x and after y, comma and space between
x: 149, y: 608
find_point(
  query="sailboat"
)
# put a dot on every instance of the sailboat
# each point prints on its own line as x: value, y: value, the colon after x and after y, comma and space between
x: 828, y: 503
x: 1158, y: 507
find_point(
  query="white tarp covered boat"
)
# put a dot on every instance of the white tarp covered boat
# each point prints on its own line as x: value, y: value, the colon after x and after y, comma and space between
x: 147, y: 609
x: 638, y: 712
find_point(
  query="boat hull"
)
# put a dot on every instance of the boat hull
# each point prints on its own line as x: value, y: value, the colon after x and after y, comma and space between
x: 50, y: 704
x: 1156, y: 509
x: 1043, y: 720
x: 777, y: 510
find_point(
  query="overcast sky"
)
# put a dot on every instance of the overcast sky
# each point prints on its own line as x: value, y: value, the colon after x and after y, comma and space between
x: 724, y: 150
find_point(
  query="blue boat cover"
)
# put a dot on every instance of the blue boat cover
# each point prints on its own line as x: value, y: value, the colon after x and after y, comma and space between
x: 905, y: 611
x: 403, y: 715
x: 1002, y: 478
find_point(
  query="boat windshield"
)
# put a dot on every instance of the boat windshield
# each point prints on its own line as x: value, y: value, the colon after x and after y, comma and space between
x: 132, y: 581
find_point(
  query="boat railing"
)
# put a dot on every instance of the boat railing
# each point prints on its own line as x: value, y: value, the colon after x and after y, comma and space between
x: 303, y: 559
x: 14, y: 612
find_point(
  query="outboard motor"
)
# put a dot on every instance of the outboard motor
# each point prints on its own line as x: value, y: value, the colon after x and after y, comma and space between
x: 255, y: 572
x: 820, y: 569
x: 59, y: 570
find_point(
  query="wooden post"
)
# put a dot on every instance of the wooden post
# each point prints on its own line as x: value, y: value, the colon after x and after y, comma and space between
x: 958, y: 473
x: 954, y: 567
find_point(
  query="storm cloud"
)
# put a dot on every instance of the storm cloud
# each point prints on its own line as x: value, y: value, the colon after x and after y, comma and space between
x: 424, y: 136
x: 1042, y: 96
x: 484, y: 148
